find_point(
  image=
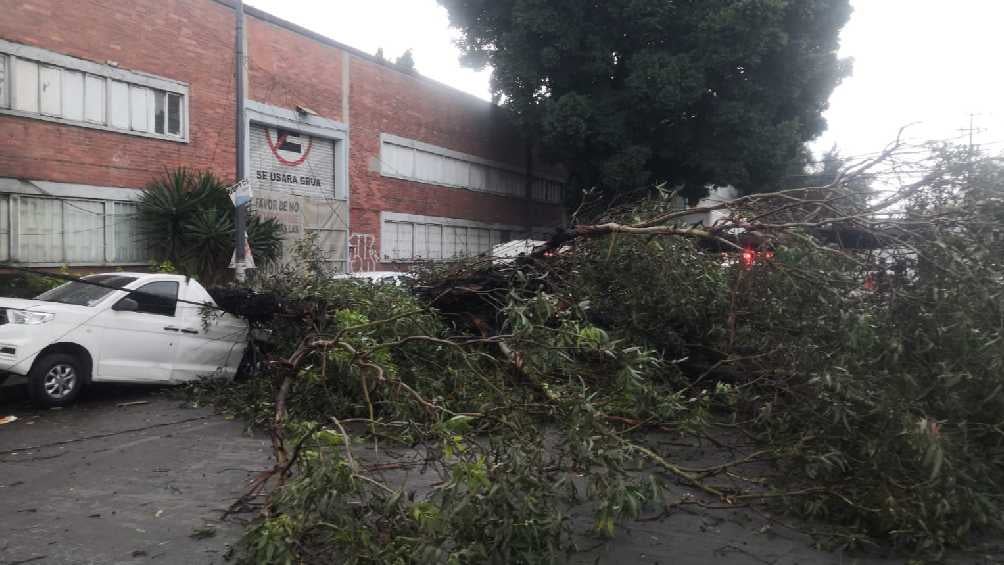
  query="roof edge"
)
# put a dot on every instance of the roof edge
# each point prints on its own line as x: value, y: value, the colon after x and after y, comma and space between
x: 323, y: 39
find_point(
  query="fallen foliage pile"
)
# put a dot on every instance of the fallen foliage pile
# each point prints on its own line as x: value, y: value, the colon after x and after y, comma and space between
x: 871, y: 378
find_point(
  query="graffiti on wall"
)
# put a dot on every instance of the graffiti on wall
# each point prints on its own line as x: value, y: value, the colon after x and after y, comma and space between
x: 364, y: 256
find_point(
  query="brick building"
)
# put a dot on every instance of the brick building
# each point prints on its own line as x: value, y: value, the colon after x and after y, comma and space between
x: 98, y: 97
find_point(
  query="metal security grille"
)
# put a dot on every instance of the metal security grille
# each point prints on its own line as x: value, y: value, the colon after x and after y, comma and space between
x: 294, y: 163
x: 296, y: 183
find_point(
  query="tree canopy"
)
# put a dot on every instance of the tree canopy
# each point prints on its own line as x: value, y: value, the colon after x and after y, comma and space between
x: 629, y: 92
x: 406, y: 62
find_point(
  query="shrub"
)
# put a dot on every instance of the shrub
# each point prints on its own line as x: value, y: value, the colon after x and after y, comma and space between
x: 188, y: 219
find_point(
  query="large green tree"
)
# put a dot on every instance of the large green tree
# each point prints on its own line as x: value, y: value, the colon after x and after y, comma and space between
x: 631, y: 92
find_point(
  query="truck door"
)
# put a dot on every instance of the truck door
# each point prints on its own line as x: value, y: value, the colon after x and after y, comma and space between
x: 139, y: 345
x: 211, y: 342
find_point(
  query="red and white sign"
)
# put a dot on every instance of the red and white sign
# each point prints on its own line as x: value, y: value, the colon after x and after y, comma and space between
x: 289, y: 147
x: 292, y: 162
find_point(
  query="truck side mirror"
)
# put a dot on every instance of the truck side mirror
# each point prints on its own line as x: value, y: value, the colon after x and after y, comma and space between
x: 126, y: 305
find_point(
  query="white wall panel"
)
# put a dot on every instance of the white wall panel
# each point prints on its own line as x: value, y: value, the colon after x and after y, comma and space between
x: 483, y: 241
x: 4, y: 83
x: 398, y: 161
x: 4, y: 228
x: 461, y: 242
x: 421, y: 239
x: 139, y: 108
x: 457, y: 172
x: 129, y: 244
x: 84, y: 231
x: 50, y: 91
x: 73, y: 95
x: 428, y: 167
x: 41, y: 229
x: 404, y: 248
x: 118, y: 104
x: 434, y: 236
x: 479, y: 177
x: 388, y: 240
x: 498, y: 237
x: 450, y: 242
x: 26, y: 85
x: 94, y: 99
x: 512, y: 184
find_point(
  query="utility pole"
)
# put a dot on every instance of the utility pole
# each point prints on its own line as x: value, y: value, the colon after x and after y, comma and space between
x: 969, y: 168
x: 240, y: 212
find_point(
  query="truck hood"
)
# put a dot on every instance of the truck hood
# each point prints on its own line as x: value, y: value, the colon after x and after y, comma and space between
x: 55, y: 307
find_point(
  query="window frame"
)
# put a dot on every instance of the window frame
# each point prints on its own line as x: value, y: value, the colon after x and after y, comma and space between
x: 113, y: 224
x: 5, y: 81
x: 483, y: 175
x: 11, y: 53
x: 461, y: 240
x: 151, y: 296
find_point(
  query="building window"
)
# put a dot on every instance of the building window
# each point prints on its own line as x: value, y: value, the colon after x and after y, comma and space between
x: 25, y: 89
x: 408, y: 237
x: 420, y: 162
x: 167, y: 113
x: 56, y: 231
x: 45, y: 85
x: 4, y: 82
x: 173, y: 114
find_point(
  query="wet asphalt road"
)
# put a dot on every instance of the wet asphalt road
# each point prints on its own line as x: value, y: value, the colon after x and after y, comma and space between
x: 103, y: 482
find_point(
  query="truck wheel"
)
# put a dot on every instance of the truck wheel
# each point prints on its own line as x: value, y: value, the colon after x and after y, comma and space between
x: 55, y: 380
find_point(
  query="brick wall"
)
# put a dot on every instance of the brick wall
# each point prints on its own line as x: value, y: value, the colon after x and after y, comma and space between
x: 184, y: 40
x: 286, y: 69
x: 192, y: 41
x: 384, y: 100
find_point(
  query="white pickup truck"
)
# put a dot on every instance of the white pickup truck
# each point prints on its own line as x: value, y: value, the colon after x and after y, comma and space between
x: 154, y: 331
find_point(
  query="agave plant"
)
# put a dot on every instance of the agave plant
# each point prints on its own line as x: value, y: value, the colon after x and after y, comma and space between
x: 188, y: 219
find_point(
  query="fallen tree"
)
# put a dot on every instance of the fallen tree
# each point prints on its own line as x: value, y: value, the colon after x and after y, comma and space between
x: 866, y: 379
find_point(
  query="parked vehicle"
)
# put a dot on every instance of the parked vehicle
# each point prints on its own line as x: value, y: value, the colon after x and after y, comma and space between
x: 509, y: 251
x: 156, y: 330
x: 385, y: 277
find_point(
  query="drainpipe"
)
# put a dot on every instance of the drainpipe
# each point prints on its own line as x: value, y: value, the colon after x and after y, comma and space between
x: 240, y: 213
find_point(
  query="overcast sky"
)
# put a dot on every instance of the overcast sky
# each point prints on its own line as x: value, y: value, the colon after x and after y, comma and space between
x: 395, y: 25
x: 928, y: 61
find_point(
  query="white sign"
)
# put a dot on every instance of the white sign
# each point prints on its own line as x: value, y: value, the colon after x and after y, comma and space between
x: 248, y: 256
x: 288, y: 161
x: 240, y: 193
x: 286, y: 209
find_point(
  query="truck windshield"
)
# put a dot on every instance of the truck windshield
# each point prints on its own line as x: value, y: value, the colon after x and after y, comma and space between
x: 83, y: 294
